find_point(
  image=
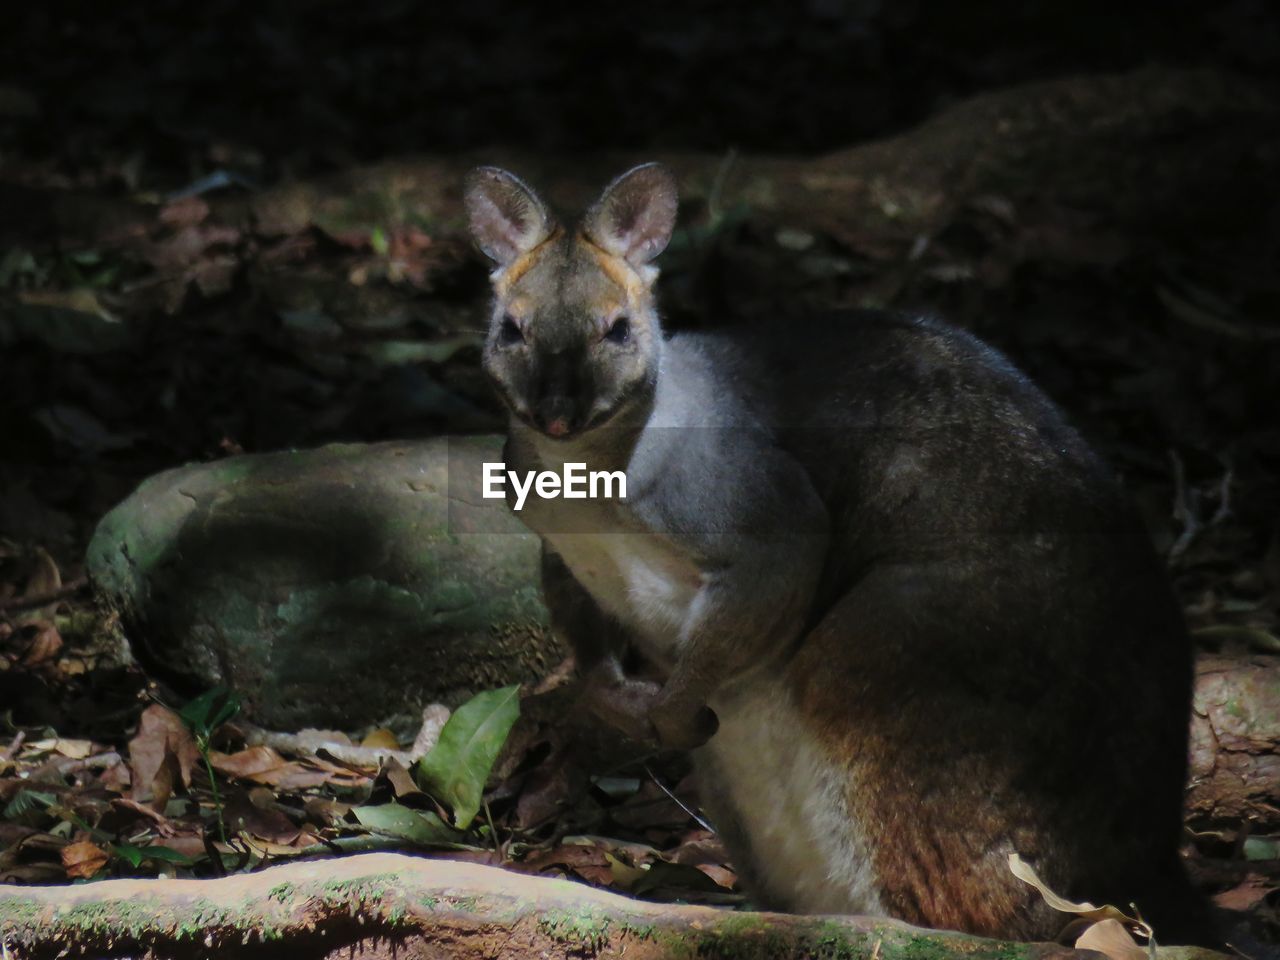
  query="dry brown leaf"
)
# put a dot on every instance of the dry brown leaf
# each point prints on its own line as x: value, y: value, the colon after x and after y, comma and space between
x: 402, y: 784
x: 265, y: 848
x: 326, y: 812
x: 1110, y: 937
x: 161, y: 750
x: 188, y: 844
x: 116, y: 778
x: 75, y: 749
x: 721, y: 875
x: 43, y: 644
x: 263, y: 765
x: 255, y: 813
x: 33, y: 873
x: 700, y: 847
x: 45, y: 578
x: 571, y: 855
x: 79, y: 300
x: 381, y: 738
x: 185, y: 212
x: 250, y: 763
x: 161, y: 822
x: 83, y: 859
x: 1024, y: 872
x: 622, y: 875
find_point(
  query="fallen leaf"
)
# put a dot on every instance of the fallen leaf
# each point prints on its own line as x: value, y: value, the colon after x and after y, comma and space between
x: 160, y: 821
x: 79, y: 300
x: 721, y: 875
x: 395, y: 820
x: 83, y: 859
x: 250, y: 763
x: 43, y: 644
x: 623, y: 875
x: 1111, y: 938
x: 662, y: 874
x: 326, y: 812
x: 184, y: 212
x: 700, y: 848
x: 255, y: 812
x: 381, y: 737
x: 161, y: 750
x: 549, y: 790
x: 1024, y: 872
x: 45, y: 577
x: 263, y: 765
x: 402, y: 784
x: 455, y: 771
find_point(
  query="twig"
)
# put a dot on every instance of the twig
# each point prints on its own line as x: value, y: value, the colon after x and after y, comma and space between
x: 1186, y: 508
x: 715, y: 194
x: 1224, y: 491
x: 493, y: 833
x: 99, y: 761
x: 11, y: 751
x: 678, y: 802
x: 67, y: 590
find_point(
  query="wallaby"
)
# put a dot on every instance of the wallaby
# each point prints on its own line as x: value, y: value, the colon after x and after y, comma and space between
x: 904, y: 614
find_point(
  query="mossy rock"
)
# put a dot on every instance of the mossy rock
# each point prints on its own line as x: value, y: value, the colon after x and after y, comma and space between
x: 341, y: 586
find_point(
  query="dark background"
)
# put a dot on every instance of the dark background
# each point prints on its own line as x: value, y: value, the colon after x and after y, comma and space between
x: 141, y: 100
x: 276, y: 88
x: 138, y: 102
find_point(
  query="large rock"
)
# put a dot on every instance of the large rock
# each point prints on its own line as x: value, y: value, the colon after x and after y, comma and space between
x: 338, y: 587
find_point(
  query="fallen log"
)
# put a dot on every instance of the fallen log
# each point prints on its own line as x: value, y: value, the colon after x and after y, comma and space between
x: 1235, y: 743
x: 390, y: 905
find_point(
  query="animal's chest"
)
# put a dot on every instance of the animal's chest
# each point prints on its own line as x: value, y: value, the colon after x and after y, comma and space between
x: 638, y: 577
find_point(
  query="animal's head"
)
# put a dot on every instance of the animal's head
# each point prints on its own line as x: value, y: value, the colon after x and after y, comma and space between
x: 574, y: 338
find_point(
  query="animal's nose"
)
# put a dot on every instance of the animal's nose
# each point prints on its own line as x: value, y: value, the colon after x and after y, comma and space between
x: 556, y: 416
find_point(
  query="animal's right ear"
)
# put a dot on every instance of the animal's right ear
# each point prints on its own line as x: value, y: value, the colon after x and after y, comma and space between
x: 507, y: 218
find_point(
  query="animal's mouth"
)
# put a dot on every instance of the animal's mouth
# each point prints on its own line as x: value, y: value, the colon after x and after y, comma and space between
x: 562, y: 428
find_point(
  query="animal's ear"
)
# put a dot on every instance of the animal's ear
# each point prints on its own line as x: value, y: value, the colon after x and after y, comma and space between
x: 507, y: 217
x: 635, y: 215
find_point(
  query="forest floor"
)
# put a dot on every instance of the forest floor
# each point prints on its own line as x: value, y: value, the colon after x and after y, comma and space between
x: 141, y: 328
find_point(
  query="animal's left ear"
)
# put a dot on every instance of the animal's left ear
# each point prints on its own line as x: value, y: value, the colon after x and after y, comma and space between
x: 507, y: 217
x: 635, y: 215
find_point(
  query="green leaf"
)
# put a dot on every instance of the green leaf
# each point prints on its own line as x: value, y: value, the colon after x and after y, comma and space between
x: 456, y: 769
x: 378, y: 240
x: 207, y: 712
x: 27, y: 802
x: 677, y: 875
x: 1261, y: 848
x: 396, y: 820
x: 129, y: 853
x: 163, y: 854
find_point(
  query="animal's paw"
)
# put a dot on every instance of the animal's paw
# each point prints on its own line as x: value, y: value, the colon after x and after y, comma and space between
x: 625, y: 705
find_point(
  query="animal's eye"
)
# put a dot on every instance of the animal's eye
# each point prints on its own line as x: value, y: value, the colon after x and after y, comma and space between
x: 510, y: 332
x: 619, y: 331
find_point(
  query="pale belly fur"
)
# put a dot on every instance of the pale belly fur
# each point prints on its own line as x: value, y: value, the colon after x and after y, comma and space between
x: 787, y: 797
x: 789, y: 800
x: 637, y: 578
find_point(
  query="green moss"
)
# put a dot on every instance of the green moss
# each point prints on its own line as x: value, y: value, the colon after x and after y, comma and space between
x: 746, y: 936
x: 20, y: 913
x: 588, y: 929
x: 922, y: 947
x: 835, y: 941
x: 359, y: 889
